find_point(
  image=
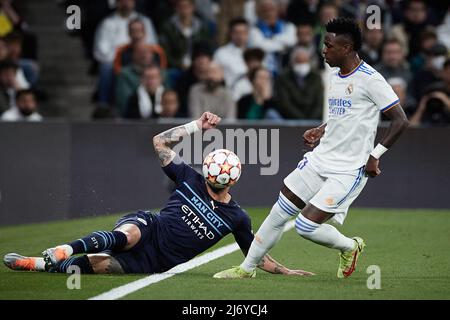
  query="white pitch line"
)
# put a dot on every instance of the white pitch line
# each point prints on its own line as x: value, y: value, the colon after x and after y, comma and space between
x: 131, y: 287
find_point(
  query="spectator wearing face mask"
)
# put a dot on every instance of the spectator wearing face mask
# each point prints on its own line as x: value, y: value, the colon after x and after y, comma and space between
x: 299, y: 89
x: 25, y: 110
x: 431, y: 73
x: 212, y: 95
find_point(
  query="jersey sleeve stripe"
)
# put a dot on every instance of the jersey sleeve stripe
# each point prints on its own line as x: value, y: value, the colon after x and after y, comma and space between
x: 393, y: 104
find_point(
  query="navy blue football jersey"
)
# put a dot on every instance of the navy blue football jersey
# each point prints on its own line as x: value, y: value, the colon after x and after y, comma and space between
x: 192, y: 221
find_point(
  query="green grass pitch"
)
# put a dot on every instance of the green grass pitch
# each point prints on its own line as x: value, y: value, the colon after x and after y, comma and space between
x: 411, y: 247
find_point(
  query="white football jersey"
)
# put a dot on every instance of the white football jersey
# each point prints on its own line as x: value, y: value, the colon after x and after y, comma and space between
x: 354, y: 101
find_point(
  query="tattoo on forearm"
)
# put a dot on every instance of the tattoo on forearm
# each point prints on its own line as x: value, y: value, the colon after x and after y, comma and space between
x: 164, y: 141
x: 277, y: 268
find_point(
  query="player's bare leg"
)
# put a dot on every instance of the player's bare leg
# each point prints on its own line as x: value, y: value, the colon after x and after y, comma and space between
x: 104, y: 264
x: 310, y: 225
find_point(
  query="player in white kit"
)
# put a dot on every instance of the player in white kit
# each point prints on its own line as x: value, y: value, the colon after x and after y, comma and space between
x: 328, y: 179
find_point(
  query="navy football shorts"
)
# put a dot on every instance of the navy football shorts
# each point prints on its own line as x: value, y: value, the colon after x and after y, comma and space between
x: 143, y: 257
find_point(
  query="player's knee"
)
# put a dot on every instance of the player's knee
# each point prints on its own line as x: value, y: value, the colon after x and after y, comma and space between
x: 305, y: 227
x: 133, y: 234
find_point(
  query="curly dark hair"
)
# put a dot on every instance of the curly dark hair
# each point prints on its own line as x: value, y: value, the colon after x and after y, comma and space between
x: 348, y: 27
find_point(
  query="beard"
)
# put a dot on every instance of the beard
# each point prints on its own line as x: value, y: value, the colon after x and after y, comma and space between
x: 26, y: 112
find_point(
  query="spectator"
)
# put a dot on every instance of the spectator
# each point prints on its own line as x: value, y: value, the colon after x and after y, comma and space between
x: 146, y: 102
x: 434, y: 107
x: 212, y: 95
x: 428, y: 39
x: 408, y: 32
x: 299, y: 90
x: 181, y: 33
x: 431, y: 73
x: 170, y: 104
x: 272, y: 34
x: 305, y: 39
x: 198, y: 71
x: 327, y: 12
x: 129, y: 78
x: 11, y: 21
x: 372, y: 45
x: 260, y: 103
x: 8, y: 85
x: 113, y: 31
x: 443, y: 31
x: 124, y: 54
x: 400, y: 88
x: 393, y: 62
x: 28, y: 72
x: 110, y: 35
x: 228, y: 10
x: 253, y: 59
x: 302, y: 11
x: 231, y: 56
x: 25, y: 110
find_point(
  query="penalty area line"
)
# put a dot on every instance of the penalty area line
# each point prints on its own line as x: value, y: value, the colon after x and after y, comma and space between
x: 134, y: 286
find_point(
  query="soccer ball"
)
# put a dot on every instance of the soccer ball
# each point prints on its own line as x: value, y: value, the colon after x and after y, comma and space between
x: 222, y: 168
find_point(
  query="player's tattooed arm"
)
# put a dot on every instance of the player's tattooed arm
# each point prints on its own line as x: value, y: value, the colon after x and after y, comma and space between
x: 164, y: 142
x: 270, y: 265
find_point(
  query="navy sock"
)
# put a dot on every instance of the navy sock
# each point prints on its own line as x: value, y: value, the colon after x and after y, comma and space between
x: 81, y: 262
x: 100, y: 241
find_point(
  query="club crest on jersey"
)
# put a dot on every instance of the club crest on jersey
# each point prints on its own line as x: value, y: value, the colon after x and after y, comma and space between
x: 349, y: 89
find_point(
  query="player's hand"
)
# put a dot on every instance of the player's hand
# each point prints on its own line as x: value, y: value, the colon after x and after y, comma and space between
x: 208, y: 120
x: 311, y: 136
x: 372, y: 169
x: 290, y: 272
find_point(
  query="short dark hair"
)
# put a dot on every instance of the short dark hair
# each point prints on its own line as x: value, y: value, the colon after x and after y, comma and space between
x: 136, y: 20
x: 254, y: 53
x: 348, y: 27
x: 23, y: 92
x: 237, y: 21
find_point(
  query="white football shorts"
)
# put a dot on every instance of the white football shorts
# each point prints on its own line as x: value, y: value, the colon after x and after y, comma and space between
x: 329, y: 191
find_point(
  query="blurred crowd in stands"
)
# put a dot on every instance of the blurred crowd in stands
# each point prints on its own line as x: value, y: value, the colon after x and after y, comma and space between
x: 242, y: 59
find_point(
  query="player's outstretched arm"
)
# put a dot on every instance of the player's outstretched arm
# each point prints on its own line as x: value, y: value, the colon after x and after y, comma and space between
x: 311, y: 136
x: 268, y: 264
x: 164, y: 141
x: 399, y: 123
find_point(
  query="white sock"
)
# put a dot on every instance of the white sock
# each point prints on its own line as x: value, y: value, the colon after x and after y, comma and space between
x: 40, y: 264
x: 270, y: 232
x: 323, y: 234
x: 67, y: 248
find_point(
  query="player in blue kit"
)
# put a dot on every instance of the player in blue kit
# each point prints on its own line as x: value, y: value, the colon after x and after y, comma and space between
x: 196, y: 217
